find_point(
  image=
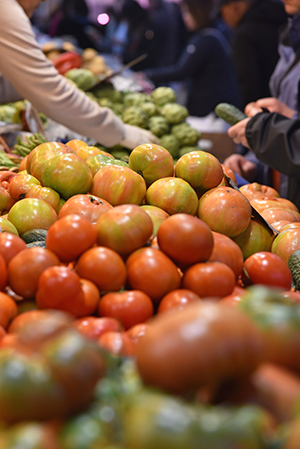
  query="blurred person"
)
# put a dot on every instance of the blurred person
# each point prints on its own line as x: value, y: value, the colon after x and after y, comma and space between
x: 284, y: 88
x: 27, y: 74
x: 274, y: 137
x: 205, y: 63
x: 255, y: 38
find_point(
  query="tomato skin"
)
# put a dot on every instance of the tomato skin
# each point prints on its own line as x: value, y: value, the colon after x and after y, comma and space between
x: 286, y: 243
x: 124, y: 228
x: 225, y: 210
x: 102, y: 266
x: 152, y: 272
x: 137, y: 331
x: 185, y: 239
x: 3, y: 273
x: 86, y: 205
x: 8, y: 310
x: 268, y: 269
x: 25, y: 268
x: 209, y: 279
x: 227, y: 251
x: 117, y: 343
x: 63, y: 233
x: 173, y: 195
x: 177, y: 299
x: 93, y: 327
x: 130, y: 307
x: 10, y: 245
x: 59, y: 287
x: 119, y: 185
x: 191, y: 339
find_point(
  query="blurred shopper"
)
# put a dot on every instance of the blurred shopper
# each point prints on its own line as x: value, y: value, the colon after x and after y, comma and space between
x: 284, y: 88
x: 254, y: 42
x: 27, y: 73
x: 205, y: 63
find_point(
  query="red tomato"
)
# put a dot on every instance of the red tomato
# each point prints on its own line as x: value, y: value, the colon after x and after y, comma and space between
x: 117, y: 343
x: 137, y: 331
x: 3, y: 273
x: 227, y: 251
x: 177, y: 299
x: 93, y: 327
x: 268, y: 269
x: 130, y: 307
x: 185, y: 239
x: 256, y: 190
x: 61, y: 288
x: 104, y: 267
x: 8, y: 310
x: 210, y: 279
x: 10, y: 245
x: 70, y: 236
x: 86, y: 205
x: 236, y: 295
x: 153, y: 272
x: 25, y: 268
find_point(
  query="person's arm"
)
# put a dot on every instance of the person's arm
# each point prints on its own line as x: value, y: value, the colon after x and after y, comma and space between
x: 34, y: 78
x: 275, y: 139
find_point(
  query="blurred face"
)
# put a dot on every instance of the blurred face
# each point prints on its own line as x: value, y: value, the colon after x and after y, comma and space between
x: 30, y: 6
x: 233, y: 12
x: 291, y: 6
x: 188, y: 19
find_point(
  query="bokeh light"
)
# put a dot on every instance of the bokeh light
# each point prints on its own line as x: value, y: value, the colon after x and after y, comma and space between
x: 103, y: 19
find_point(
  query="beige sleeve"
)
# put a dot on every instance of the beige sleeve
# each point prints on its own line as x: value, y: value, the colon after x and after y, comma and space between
x: 32, y: 76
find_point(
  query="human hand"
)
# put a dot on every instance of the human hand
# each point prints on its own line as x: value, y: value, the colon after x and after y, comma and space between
x: 241, y: 166
x: 135, y: 136
x: 238, y: 132
x: 270, y: 103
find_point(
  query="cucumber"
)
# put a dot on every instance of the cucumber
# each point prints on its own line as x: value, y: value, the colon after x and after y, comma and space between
x: 229, y: 113
x: 294, y: 266
x: 34, y: 235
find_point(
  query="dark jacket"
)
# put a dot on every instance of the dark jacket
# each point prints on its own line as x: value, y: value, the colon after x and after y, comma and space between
x: 254, y: 47
x: 206, y: 66
x: 275, y: 140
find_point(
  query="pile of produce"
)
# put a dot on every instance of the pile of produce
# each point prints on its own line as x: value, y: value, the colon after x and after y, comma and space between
x: 143, y: 304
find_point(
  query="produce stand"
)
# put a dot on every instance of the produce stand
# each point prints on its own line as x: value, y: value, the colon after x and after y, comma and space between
x: 145, y: 303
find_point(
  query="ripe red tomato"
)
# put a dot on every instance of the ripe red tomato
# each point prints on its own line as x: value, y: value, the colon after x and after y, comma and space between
x: 209, y: 279
x: 86, y: 205
x: 10, y: 245
x: 117, y: 343
x: 104, y: 267
x: 177, y: 299
x: 227, y: 251
x: 131, y: 307
x: 61, y: 288
x: 268, y: 269
x: 93, y: 327
x: 8, y: 310
x: 70, y: 236
x: 185, y: 239
x: 137, y: 331
x: 3, y: 273
x: 153, y: 272
x: 25, y: 268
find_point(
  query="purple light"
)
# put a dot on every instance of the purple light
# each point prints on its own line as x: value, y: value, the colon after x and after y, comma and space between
x: 103, y: 19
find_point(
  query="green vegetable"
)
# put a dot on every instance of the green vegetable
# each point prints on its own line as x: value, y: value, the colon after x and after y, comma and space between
x: 188, y: 149
x: 150, y: 108
x: 134, y: 115
x: 229, y: 113
x: 171, y: 144
x: 83, y: 78
x: 135, y: 98
x: 163, y: 95
x: 174, y: 113
x: 294, y: 266
x: 34, y: 235
x: 24, y: 147
x: 186, y: 134
x: 5, y: 161
x: 158, y: 125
